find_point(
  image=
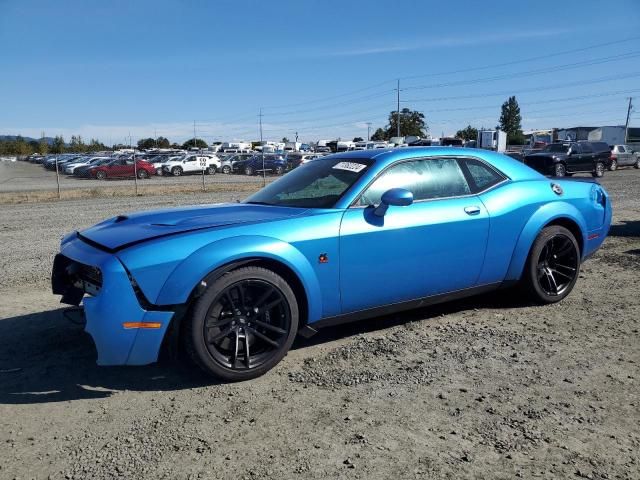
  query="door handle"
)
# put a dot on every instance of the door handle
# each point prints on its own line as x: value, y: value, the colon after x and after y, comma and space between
x: 472, y: 210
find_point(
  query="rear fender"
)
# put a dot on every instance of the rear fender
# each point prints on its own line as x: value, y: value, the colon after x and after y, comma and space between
x: 191, y: 271
x: 543, y: 216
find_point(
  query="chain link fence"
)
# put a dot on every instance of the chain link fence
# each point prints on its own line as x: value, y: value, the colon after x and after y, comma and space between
x: 70, y: 176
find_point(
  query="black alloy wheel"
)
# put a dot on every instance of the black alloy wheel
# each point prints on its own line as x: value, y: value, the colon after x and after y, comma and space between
x: 560, y: 170
x: 279, y: 170
x: 243, y: 324
x: 553, y: 265
x: 211, y: 170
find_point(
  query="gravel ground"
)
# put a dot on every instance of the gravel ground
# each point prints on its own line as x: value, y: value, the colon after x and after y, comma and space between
x: 484, y: 388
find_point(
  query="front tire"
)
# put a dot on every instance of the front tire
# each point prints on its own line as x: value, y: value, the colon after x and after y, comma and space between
x: 226, y: 169
x: 101, y: 175
x: 248, y: 171
x: 243, y: 324
x: 599, y: 171
x: 142, y: 174
x: 176, y: 171
x: 637, y: 164
x: 552, y: 267
x: 560, y: 170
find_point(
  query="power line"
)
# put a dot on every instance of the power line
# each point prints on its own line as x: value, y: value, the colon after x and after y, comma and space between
x: 556, y: 68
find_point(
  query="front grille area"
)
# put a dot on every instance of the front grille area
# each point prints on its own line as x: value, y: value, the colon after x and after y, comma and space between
x: 72, y: 279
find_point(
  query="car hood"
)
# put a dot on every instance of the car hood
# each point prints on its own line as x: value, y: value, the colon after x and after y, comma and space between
x: 125, y: 230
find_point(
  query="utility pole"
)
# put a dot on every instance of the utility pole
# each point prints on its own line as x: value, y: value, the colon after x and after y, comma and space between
x: 135, y: 167
x: 398, y: 110
x: 155, y: 134
x: 264, y: 174
x: 626, y: 125
x: 296, y: 137
x: 368, y: 131
x: 194, y: 135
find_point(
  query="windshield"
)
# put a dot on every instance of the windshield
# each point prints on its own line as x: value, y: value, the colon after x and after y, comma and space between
x: 317, y: 184
x: 557, y: 148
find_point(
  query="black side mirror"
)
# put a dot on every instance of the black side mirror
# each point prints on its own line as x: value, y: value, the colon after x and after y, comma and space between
x: 397, y: 197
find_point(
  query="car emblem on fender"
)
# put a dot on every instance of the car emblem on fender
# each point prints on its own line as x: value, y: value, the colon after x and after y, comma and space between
x: 557, y: 189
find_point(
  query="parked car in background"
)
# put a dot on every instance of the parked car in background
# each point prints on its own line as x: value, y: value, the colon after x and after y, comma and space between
x: 191, y: 164
x: 83, y: 172
x: 70, y: 167
x: 226, y: 165
x: 272, y: 163
x: 122, y: 168
x: 623, y: 156
x: 566, y: 158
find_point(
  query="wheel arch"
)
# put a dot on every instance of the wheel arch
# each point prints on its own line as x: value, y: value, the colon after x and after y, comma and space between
x: 217, y: 258
x: 557, y: 213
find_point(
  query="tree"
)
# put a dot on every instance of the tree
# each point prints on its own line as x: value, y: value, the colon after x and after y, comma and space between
x: 146, y: 143
x: 58, y: 144
x: 285, y: 140
x: 358, y: 139
x: 197, y: 143
x: 43, y: 146
x: 77, y: 145
x: 163, y: 142
x: 469, y: 133
x: 411, y: 123
x: 379, y: 135
x: 510, y: 121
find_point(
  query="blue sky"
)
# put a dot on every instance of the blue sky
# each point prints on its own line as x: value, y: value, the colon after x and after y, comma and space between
x: 323, y: 68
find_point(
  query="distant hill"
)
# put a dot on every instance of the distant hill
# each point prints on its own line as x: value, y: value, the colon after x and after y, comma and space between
x: 9, y: 138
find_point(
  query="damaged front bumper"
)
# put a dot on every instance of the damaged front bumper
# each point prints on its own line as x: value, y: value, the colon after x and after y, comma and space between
x: 123, y: 331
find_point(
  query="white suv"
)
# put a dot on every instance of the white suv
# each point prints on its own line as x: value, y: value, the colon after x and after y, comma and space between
x: 192, y: 164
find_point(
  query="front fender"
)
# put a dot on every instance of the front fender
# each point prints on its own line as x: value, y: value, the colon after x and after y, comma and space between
x: 546, y: 214
x: 186, y: 276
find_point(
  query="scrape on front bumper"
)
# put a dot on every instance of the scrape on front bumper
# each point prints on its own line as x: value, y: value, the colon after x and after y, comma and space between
x: 109, y: 305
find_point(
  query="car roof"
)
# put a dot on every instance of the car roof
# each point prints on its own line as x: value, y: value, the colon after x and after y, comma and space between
x: 383, y: 157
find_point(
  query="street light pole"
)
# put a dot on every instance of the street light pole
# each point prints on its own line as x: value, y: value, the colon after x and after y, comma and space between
x: 398, y: 110
x: 626, y: 125
x: 368, y: 131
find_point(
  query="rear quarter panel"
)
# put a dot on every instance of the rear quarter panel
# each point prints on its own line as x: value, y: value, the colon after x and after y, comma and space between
x: 520, y: 210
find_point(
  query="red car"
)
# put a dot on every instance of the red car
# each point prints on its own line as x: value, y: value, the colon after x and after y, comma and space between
x: 123, y: 168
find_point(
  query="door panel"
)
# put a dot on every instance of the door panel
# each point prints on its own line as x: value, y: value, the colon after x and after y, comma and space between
x: 424, y: 249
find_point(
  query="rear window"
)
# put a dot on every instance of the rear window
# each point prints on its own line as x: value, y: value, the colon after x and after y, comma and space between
x: 481, y: 176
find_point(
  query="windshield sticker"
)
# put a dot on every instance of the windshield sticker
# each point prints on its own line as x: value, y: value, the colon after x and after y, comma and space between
x: 350, y: 166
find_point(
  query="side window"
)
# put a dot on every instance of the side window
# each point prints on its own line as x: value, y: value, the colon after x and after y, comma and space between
x: 621, y: 149
x: 586, y: 148
x: 481, y: 175
x: 426, y: 179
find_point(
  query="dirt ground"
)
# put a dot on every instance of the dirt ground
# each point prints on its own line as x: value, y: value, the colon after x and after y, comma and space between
x: 484, y: 388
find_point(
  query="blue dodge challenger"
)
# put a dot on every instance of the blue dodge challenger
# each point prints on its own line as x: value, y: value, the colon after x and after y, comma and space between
x: 341, y: 238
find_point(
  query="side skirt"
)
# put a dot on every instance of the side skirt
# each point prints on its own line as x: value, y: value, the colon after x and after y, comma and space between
x: 309, y: 330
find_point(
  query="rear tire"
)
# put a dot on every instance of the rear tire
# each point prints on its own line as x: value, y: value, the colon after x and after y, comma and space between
x: 560, y: 170
x: 211, y: 170
x: 599, y: 171
x: 279, y: 170
x: 242, y: 325
x: 552, y: 266
x: 248, y: 171
x: 637, y: 164
x: 226, y: 169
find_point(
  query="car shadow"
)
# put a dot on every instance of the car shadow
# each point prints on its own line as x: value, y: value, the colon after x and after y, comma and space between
x: 625, y: 229
x: 46, y: 357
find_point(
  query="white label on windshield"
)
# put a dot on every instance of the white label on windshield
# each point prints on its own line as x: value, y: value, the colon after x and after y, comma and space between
x: 350, y: 166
